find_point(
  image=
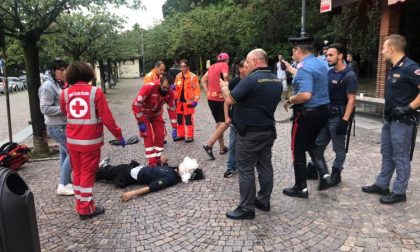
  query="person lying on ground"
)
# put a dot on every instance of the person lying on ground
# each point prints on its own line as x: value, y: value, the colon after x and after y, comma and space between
x: 156, y: 178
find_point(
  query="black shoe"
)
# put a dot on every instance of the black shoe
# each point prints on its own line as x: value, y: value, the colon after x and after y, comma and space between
x: 223, y: 151
x: 375, y: 189
x: 240, y: 213
x: 335, y: 176
x: 177, y: 139
x: 229, y: 173
x: 261, y: 206
x: 189, y: 140
x: 209, y: 151
x: 98, y: 211
x: 296, y: 192
x: 311, y: 172
x: 324, y: 183
x: 393, y: 198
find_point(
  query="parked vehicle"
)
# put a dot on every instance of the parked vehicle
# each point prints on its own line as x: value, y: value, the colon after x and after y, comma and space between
x: 2, y: 89
x: 15, y: 83
x: 22, y: 78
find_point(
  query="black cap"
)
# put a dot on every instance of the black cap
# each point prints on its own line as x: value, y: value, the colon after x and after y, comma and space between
x: 301, y: 40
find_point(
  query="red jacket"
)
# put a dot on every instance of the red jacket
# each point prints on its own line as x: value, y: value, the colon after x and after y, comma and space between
x: 149, y: 103
x: 87, y: 111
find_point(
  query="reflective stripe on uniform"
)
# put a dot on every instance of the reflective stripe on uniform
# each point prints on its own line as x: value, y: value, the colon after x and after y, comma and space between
x: 158, y: 148
x: 83, y: 189
x: 172, y: 108
x: 83, y: 198
x: 85, y: 142
x: 158, y: 154
x: 151, y: 155
x: 149, y: 149
x: 138, y: 115
x: 173, y: 121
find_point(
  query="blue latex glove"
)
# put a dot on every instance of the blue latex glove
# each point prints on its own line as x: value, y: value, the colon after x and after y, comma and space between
x: 174, y: 133
x: 194, y: 104
x: 173, y: 87
x: 122, y: 142
x: 142, y: 127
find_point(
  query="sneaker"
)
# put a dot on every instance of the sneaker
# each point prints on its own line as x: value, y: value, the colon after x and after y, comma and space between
x: 65, y: 190
x: 104, y: 162
x: 229, y: 173
x: 189, y: 139
x: 98, y: 211
x: 209, y: 151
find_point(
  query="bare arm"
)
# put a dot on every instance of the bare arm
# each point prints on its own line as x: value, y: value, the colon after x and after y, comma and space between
x: 289, y: 67
x: 226, y: 111
x: 415, y: 104
x: 204, y: 80
x: 130, y: 194
x: 349, y: 107
x: 226, y: 93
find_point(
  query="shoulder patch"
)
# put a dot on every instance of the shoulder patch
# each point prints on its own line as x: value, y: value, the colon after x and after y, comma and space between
x: 300, y: 65
x: 417, y: 72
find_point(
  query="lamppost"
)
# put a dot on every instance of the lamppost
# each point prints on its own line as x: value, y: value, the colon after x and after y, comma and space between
x: 142, y: 53
x: 303, y: 20
x: 6, y: 84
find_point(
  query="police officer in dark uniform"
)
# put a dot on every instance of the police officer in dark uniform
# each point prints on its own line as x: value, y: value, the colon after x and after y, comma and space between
x: 342, y: 84
x: 402, y: 98
x: 255, y: 99
x: 310, y: 114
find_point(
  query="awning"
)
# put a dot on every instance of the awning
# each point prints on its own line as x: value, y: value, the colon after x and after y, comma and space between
x: 390, y: 2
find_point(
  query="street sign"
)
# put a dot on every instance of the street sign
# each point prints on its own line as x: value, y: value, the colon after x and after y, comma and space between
x: 326, y: 6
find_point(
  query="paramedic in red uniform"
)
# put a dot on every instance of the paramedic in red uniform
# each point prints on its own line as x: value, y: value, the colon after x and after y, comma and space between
x: 148, y: 110
x: 87, y: 111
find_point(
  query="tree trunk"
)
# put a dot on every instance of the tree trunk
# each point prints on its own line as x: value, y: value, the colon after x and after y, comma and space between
x: 102, y: 75
x: 109, y: 68
x: 92, y: 63
x: 31, y: 56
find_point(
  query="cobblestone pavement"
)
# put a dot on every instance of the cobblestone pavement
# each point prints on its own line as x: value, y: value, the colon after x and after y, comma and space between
x: 191, y: 217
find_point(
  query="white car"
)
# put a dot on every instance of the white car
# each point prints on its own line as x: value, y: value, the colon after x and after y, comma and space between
x: 15, y: 83
x: 2, y: 86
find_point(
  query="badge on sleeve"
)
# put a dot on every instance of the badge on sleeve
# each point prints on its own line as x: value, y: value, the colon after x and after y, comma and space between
x: 417, y: 72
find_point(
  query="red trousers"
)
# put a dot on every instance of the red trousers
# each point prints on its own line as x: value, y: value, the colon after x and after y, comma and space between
x: 153, y: 139
x: 184, y: 118
x: 84, y: 166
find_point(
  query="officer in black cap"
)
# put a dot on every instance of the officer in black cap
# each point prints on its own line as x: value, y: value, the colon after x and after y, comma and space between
x: 310, y: 112
x: 402, y: 98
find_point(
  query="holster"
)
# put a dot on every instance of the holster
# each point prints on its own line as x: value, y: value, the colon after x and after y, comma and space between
x: 409, y: 119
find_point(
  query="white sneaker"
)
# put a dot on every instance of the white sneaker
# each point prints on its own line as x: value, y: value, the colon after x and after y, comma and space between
x: 65, y: 189
x: 104, y: 162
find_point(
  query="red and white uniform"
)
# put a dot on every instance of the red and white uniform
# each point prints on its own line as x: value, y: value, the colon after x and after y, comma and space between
x: 148, y: 108
x: 87, y: 111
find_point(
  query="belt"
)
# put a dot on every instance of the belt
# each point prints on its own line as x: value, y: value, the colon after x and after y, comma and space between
x: 313, y: 109
x: 260, y: 128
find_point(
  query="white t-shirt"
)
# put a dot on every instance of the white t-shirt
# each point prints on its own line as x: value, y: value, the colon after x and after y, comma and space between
x: 135, y: 171
x: 281, y: 74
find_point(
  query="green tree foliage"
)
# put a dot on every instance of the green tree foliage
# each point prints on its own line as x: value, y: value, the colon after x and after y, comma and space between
x: 27, y: 21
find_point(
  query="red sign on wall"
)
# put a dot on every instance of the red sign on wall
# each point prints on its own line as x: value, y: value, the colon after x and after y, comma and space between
x: 326, y: 6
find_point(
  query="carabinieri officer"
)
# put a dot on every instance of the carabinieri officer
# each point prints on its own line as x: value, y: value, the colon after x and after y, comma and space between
x: 402, y: 98
x: 310, y: 111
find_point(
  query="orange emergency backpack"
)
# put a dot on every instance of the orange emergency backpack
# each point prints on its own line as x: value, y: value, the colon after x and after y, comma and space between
x: 13, y: 155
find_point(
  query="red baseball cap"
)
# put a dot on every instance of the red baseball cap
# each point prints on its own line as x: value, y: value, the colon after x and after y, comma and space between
x: 223, y: 56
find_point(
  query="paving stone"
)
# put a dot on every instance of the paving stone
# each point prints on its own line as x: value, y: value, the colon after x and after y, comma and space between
x: 191, y: 217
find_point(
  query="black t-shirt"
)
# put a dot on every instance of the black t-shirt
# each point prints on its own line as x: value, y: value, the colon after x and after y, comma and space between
x: 340, y: 84
x: 173, y: 72
x: 402, y: 84
x: 256, y: 98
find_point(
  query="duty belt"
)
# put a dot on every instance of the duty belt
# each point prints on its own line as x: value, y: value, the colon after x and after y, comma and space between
x: 409, y: 119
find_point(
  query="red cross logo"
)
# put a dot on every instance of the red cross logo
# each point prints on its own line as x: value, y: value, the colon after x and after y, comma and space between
x: 78, y: 107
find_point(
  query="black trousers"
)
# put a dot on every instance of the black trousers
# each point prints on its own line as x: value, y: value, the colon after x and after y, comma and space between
x: 119, y: 175
x: 306, y: 127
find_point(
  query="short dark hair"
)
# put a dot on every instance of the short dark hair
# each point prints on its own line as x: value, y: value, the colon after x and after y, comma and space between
x: 158, y: 63
x: 57, y: 64
x: 341, y: 48
x: 398, y: 42
x: 79, y: 71
x: 185, y: 61
x: 166, y: 77
x: 197, y: 174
